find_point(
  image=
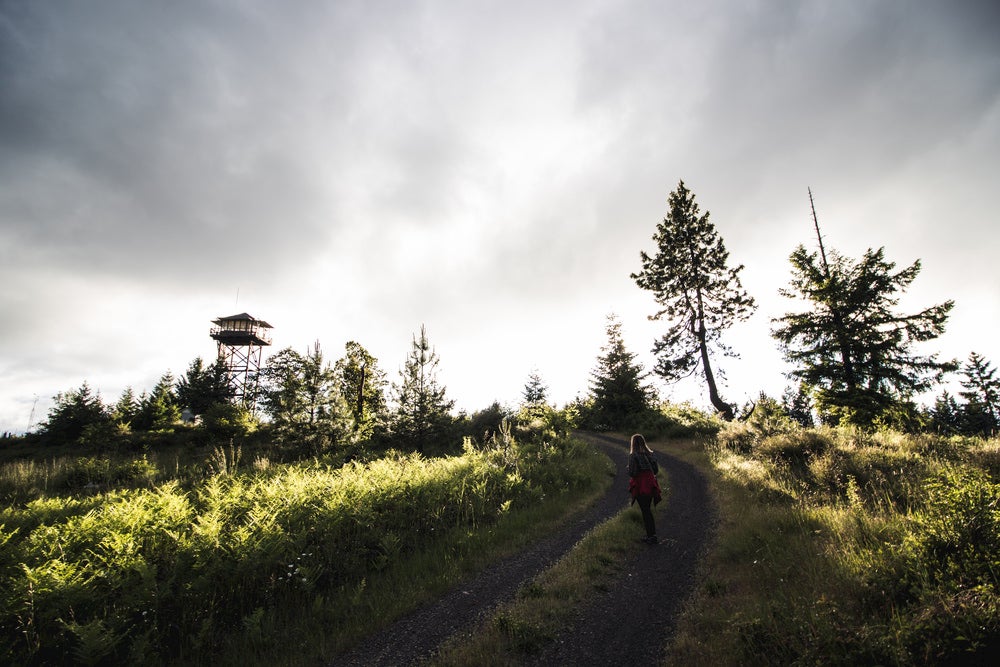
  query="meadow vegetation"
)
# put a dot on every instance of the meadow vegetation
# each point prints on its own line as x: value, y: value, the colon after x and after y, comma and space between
x: 836, y: 545
x: 847, y: 546
x: 141, y: 559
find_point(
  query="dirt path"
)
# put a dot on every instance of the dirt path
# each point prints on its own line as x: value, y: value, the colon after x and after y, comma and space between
x: 656, y: 584
x: 631, y: 623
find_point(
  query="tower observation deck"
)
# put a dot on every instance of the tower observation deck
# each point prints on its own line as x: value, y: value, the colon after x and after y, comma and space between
x: 241, y: 340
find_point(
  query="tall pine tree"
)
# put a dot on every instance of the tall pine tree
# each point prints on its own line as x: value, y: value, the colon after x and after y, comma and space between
x: 981, y: 391
x: 616, y: 384
x: 946, y: 415
x: 362, y: 384
x: 699, y: 294
x: 72, y: 413
x: 158, y: 410
x: 127, y: 407
x: 423, y: 412
x: 535, y: 392
x: 202, y: 386
x: 851, y: 347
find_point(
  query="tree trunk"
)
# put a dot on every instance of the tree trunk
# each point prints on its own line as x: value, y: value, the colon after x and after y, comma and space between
x: 720, y: 405
x: 723, y: 408
x: 359, y: 409
x: 838, y: 320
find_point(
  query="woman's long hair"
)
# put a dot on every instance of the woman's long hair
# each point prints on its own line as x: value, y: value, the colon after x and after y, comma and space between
x: 638, y: 444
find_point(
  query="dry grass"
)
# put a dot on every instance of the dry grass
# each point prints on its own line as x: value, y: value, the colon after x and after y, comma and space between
x: 827, y: 551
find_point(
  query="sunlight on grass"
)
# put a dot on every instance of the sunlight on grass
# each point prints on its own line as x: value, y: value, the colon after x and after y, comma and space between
x: 846, y: 547
x: 223, y: 566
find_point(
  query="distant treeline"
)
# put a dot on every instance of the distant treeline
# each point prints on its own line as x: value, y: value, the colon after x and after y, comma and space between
x: 851, y: 353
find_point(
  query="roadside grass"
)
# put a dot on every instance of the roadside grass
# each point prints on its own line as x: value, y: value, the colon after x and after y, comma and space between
x: 373, y: 603
x: 552, y: 601
x: 836, y: 546
x: 250, y: 564
x: 184, y: 455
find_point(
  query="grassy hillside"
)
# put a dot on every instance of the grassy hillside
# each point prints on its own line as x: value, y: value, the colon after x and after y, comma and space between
x: 846, y: 547
x: 135, y: 560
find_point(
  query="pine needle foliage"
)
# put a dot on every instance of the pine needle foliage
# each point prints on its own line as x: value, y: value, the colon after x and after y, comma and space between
x: 699, y: 294
x: 981, y: 391
x: 204, y: 386
x: 617, y: 386
x: 423, y: 410
x: 535, y: 392
x: 852, y: 347
x: 72, y: 413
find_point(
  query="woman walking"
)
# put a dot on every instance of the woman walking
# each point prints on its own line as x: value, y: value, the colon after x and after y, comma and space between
x: 642, y: 484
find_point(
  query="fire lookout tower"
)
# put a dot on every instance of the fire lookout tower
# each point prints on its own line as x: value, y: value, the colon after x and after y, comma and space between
x: 241, y: 341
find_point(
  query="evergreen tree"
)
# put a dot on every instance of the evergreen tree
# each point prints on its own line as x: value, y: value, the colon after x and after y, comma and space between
x: 616, y: 384
x: 281, y: 388
x: 488, y: 422
x: 535, y: 392
x: 301, y: 396
x: 798, y: 405
x: 699, y: 295
x: 423, y: 413
x: 851, y: 347
x: 767, y: 416
x: 946, y: 415
x: 981, y: 413
x: 73, y: 413
x: 202, y: 386
x: 362, y: 385
x: 126, y: 409
x: 158, y: 410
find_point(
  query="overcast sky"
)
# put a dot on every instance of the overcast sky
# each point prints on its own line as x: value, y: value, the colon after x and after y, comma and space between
x: 352, y: 170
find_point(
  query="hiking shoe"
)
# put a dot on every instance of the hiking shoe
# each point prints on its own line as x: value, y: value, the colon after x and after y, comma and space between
x: 652, y: 539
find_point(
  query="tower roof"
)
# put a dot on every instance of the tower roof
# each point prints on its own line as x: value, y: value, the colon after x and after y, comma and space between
x: 242, y: 317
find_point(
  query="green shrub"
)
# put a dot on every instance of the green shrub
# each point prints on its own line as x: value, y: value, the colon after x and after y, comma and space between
x: 846, y: 546
x: 942, y: 581
x: 156, y: 575
x: 93, y: 474
x: 676, y: 420
x: 955, y: 541
x: 226, y: 421
x: 955, y: 627
x: 985, y: 455
x: 769, y: 417
x: 795, y: 448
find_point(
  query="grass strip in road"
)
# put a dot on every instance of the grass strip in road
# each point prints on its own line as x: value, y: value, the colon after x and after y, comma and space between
x: 551, y: 602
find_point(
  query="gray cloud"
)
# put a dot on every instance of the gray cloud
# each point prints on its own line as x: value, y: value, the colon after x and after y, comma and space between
x: 355, y: 169
x: 160, y: 136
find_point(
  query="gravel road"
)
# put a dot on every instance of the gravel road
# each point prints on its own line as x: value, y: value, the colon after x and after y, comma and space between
x: 652, y: 588
x: 632, y: 623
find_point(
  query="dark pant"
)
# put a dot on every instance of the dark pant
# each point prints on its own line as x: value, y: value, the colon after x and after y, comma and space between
x: 645, y: 503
